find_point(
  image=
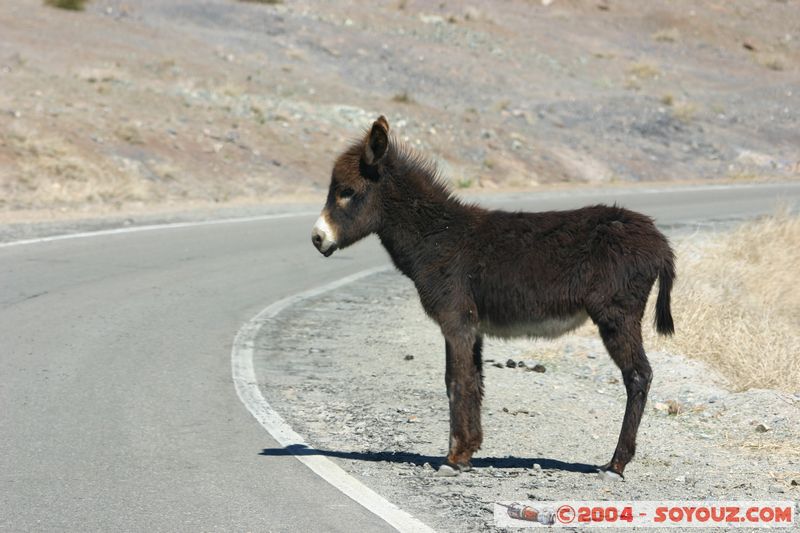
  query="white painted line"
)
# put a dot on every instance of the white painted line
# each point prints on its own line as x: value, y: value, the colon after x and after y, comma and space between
x: 244, y: 379
x: 593, y: 191
x: 151, y: 227
x: 500, y: 198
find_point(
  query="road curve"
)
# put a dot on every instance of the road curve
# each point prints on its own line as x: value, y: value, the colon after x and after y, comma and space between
x: 118, y: 408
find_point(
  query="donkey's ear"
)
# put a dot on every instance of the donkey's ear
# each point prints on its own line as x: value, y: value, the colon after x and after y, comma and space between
x: 377, y: 142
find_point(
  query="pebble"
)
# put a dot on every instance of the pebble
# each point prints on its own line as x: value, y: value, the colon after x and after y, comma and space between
x: 481, y: 486
x: 446, y: 471
x: 408, y: 357
x: 511, y: 363
x: 539, y: 368
x: 762, y: 428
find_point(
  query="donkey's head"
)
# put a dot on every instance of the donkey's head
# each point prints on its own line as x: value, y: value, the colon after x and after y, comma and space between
x: 353, y: 208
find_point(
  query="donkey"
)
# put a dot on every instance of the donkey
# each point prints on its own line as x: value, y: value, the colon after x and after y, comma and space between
x: 502, y: 274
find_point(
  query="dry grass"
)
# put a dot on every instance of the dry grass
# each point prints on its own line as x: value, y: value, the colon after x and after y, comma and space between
x: 643, y: 71
x: 684, y: 111
x: 737, y: 304
x: 772, y: 61
x: 403, y: 98
x: 637, y: 73
x: 50, y: 171
x: 130, y: 134
x: 667, y: 35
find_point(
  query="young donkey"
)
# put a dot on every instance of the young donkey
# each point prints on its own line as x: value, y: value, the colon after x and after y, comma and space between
x: 502, y: 274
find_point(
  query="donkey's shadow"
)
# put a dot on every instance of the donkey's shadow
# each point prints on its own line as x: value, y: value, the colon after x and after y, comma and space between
x: 435, y: 461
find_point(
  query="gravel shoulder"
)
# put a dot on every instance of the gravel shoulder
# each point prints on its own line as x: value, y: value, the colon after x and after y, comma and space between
x: 360, y: 374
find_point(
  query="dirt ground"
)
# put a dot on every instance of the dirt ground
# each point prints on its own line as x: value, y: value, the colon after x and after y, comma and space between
x: 376, y: 404
x: 184, y: 103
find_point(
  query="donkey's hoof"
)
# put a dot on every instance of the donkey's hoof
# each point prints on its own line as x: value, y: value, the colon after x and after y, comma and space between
x: 447, y: 471
x: 609, y: 475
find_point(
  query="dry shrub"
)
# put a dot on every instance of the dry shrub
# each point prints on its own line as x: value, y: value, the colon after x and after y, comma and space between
x: 684, y: 111
x: 403, y: 98
x: 667, y: 35
x: 736, y: 303
x: 643, y: 71
x: 772, y: 61
x: 72, y: 5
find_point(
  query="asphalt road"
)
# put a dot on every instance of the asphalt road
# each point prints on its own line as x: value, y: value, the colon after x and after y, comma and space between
x: 118, y: 408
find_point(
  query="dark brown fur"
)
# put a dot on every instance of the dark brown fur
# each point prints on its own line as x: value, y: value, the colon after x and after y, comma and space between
x: 474, y: 267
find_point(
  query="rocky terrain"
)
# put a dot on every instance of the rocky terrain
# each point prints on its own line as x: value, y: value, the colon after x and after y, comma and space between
x: 375, y: 403
x: 170, y: 104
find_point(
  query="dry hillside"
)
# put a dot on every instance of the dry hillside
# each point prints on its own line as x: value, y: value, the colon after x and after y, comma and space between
x: 134, y: 103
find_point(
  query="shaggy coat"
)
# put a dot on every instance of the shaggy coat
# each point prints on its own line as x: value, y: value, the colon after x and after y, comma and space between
x: 505, y: 274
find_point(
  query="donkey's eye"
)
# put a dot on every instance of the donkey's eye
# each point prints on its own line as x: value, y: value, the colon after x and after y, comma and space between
x: 346, y: 193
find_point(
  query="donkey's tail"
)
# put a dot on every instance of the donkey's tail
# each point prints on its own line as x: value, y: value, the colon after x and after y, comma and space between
x: 666, y: 276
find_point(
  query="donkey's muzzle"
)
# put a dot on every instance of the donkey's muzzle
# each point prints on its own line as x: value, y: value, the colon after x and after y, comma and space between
x: 324, y: 248
x: 322, y: 237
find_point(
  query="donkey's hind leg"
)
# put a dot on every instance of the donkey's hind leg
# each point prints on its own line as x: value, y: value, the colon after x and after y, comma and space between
x: 464, y: 380
x: 623, y: 340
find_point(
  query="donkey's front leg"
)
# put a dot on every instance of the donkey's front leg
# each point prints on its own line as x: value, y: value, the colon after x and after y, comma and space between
x: 464, y: 380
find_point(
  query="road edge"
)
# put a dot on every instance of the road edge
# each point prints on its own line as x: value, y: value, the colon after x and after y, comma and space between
x: 152, y: 227
x: 246, y: 384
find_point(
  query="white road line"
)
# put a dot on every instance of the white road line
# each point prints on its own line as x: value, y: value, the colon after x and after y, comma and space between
x: 592, y: 191
x: 501, y: 198
x: 244, y: 379
x: 244, y: 374
x: 151, y: 227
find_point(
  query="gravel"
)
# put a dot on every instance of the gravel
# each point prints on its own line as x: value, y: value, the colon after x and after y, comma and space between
x: 336, y: 367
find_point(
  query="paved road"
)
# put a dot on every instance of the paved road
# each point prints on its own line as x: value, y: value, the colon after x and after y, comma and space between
x: 118, y: 410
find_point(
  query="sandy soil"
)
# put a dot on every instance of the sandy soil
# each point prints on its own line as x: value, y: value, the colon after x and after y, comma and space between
x: 175, y: 103
x: 358, y: 398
